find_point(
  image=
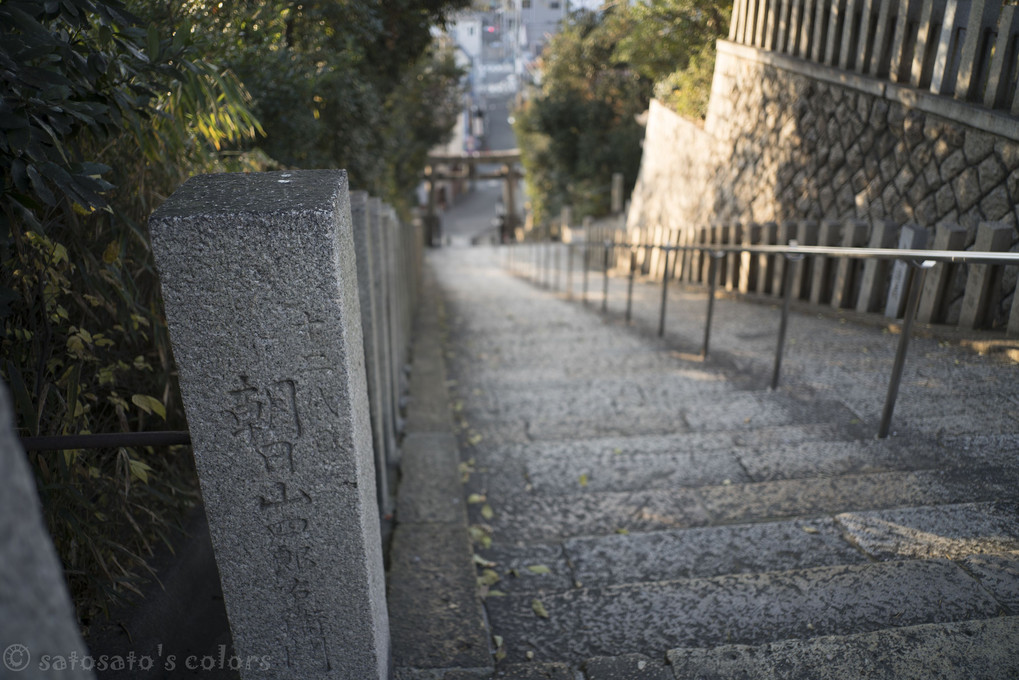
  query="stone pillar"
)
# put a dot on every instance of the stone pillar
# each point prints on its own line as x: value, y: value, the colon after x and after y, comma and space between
x: 981, y: 281
x: 854, y: 235
x: 874, y: 283
x: 380, y: 275
x: 732, y: 259
x: 769, y: 234
x: 260, y: 286
x: 785, y: 232
x: 806, y: 235
x: 369, y: 326
x: 935, y: 285
x: 747, y: 261
x: 617, y: 193
x: 36, y: 615
x: 829, y: 234
x: 911, y: 237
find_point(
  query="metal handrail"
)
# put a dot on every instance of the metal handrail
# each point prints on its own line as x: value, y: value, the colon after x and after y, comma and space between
x: 107, y: 440
x: 920, y: 262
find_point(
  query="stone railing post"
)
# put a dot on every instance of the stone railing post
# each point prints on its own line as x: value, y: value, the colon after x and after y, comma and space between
x: 260, y: 285
x: 36, y: 616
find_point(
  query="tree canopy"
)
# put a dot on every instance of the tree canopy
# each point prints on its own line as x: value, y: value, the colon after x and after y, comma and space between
x: 106, y: 106
x: 597, y: 75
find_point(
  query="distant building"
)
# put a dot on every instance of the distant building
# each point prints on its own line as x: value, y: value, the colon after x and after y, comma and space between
x: 537, y: 20
x: 465, y: 30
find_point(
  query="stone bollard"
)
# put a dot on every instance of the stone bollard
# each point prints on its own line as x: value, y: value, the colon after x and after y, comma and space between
x: 982, y: 286
x: 912, y: 237
x: 260, y: 285
x: 380, y: 282
x: 847, y: 271
x: 935, y: 287
x: 38, y: 630
x: 874, y: 281
x: 364, y: 246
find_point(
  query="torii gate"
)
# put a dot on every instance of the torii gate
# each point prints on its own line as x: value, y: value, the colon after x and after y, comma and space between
x: 509, y: 173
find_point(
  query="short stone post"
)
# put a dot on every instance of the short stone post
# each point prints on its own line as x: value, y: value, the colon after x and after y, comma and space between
x: 369, y: 326
x: 380, y: 274
x: 747, y: 261
x: 911, y: 237
x: 732, y: 259
x: 260, y: 285
x: 617, y: 193
x: 785, y: 232
x: 854, y: 235
x: 874, y: 283
x: 981, y: 280
x: 806, y: 235
x: 829, y: 234
x: 935, y: 284
x: 36, y: 616
x: 769, y: 234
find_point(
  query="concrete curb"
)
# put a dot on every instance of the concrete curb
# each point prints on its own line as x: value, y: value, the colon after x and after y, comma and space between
x: 436, y: 617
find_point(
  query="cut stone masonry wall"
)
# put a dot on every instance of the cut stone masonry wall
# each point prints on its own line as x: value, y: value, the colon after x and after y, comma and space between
x: 786, y: 146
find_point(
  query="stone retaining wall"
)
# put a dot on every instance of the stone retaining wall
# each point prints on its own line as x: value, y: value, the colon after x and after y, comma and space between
x: 784, y: 142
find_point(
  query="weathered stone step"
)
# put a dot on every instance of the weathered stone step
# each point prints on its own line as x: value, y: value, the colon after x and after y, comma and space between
x: 741, y: 609
x: 977, y: 650
x: 502, y: 468
x: 621, y: 472
x: 979, y: 532
x: 562, y: 420
x: 590, y: 395
x: 530, y: 518
x: 619, y: 559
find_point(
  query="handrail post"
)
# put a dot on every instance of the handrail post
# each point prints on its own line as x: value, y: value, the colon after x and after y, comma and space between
x: 629, y: 285
x: 791, y: 268
x: 569, y: 271
x: 605, y: 279
x: 918, y: 271
x: 715, y: 255
x: 587, y: 266
x: 557, y: 269
x: 665, y: 290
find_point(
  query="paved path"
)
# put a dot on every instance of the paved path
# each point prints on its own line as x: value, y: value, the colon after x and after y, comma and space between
x: 639, y: 512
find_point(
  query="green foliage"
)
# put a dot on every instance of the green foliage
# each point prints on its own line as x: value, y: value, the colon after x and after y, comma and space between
x: 335, y: 82
x: 688, y: 90
x: 581, y: 128
x: 598, y: 74
x: 101, y: 118
x: 105, y: 108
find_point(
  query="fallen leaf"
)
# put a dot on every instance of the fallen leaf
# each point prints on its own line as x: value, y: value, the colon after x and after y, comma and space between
x: 583, y: 479
x: 539, y: 608
x: 475, y: 498
x: 529, y: 655
x: 624, y: 532
x: 487, y: 512
x: 539, y: 569
x: 496, y: 593
x: 482, y: 562
x: 811, y: 530
x: 489, y: 577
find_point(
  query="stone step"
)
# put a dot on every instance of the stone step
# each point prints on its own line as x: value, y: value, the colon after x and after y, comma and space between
x: 564, y: 420
x: 501, y: 468
x: 534, y: 518
x: 977, y: 650
x: 746, y: 609
x: 621, y: 472
x: 978, y: 532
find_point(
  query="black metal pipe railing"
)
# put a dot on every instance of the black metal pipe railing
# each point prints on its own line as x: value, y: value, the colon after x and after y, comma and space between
x: 111, y: 440
x: 920, y: 262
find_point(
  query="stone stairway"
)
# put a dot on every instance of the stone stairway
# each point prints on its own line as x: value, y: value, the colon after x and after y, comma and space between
x: 637, y: 512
